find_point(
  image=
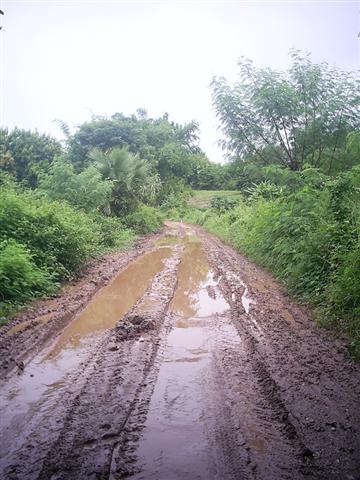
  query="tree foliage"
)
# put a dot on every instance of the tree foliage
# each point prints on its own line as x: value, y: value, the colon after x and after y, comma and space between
x: 129, y: 174
x: 290, y: 118
x: 140, y: 134
x: 172, y: 150
x: 26, y: 155
x: 86, y: 190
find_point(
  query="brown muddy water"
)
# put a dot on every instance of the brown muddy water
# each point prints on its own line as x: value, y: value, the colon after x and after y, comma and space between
x: 197, y: 293
x: 112, y: 302
x: 21, y: 327
x: 175, y: 439
x: 174, y: 443
x: 47, y: 373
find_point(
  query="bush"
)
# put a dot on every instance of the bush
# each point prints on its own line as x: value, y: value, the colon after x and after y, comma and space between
x: 309, y: 239
x: 86, y: 190
x: 59, y: 238
x: 223, y: 204
x: 20, y: 278
x: 113, y: 232
x: 342, y: 310
x: 144, y: 220
x: 173, y: 194
x: 42, y: 242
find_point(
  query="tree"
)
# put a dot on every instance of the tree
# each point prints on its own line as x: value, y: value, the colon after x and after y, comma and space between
x: 86, y: 190
x: 26, y: 154
x: 290, y: 118
x: 104, y: 134
x: 128, y: 173
x: 139, y: 133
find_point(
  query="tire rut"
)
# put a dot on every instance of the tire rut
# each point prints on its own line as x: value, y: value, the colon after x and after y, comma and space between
x: 103, y: 398
x: 303, y: 378
x: 269, y: 396
x: 41, y: 322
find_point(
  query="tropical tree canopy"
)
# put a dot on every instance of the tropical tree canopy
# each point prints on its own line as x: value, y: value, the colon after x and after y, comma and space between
x: 291, y: 118
x: 26, y: 155
x: 131, y: 177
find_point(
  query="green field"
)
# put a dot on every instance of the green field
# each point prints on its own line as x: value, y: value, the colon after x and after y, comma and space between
x: 202, y: 198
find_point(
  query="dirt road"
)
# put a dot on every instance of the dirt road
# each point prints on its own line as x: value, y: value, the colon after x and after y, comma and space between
x: 176, y: 360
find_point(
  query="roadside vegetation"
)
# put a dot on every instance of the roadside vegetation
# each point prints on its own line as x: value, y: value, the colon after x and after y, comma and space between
x: 294, y: 145
x: 288, y: 196
x: 206, y: 198
x: 63, y: 203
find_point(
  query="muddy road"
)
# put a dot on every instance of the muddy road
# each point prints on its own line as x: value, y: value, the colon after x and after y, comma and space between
x: 178, y: 359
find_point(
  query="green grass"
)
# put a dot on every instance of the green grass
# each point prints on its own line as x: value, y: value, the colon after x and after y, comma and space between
x: 202, y: 198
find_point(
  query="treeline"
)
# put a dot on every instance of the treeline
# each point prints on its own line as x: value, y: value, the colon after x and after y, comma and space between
x: 294, y: 144
x: 62, y: 202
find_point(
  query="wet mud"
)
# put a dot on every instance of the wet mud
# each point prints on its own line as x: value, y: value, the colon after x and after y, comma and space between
x: 177, y: 359
x: 175, y: 441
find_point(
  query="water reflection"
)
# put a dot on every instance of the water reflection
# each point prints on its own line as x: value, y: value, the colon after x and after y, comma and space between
x: 197, y: 293
x: 38, y: 386
x: 112, y: 302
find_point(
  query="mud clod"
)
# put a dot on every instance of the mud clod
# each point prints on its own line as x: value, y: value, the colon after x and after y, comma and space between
x: 134, y: 325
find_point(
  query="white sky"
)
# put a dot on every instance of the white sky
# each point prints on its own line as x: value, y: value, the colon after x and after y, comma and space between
x: 63, y: 59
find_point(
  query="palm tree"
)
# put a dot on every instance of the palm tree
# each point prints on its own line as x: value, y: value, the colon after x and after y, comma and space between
x: 127, y: 171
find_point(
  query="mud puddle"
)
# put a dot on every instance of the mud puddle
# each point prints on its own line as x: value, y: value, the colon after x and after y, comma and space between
x: 37, y: 387
x: 112, y: 302
x: 174, y: 444
x: 198, y: 293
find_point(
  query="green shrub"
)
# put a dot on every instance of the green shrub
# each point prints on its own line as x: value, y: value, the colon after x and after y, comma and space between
x: 309, y: 239
x: 290, y: 236
x: 342, y: 307
x: 174, y: 195
x: 223, y: 204
x: 144, y: 220
x: 113, y: 232
x: 42, y: 242
x: 86, y: 190
x: 20, y: 278
x: 58, y: 237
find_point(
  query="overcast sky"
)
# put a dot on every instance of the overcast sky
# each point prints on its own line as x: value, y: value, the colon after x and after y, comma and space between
x: 66, y: 59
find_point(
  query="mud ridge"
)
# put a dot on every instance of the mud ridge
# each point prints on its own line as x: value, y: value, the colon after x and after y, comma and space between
x: 271, y: 392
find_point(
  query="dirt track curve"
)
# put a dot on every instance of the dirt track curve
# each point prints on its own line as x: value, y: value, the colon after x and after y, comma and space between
x: 178, y: 359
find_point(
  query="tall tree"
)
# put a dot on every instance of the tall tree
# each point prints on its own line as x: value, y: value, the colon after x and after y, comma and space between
x: 129, y: 175
x: 27, y: 154
x: 291, y: 118
x: 141, y: 134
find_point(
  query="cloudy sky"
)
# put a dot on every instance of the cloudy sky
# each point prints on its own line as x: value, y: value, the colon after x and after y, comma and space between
x: 66, y: 59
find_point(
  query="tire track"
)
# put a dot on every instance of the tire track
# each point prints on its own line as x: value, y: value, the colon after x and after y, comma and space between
x: 278, y: 399
x: 303, y: 377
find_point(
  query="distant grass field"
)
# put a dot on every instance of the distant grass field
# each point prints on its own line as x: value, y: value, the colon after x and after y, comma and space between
x: 202, y: 198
